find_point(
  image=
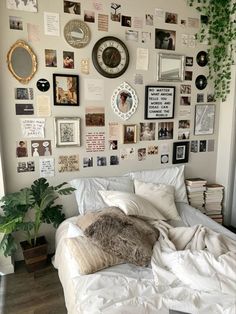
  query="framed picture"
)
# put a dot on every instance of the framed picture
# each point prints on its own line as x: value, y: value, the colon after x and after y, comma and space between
x: 159, y: 102
x: 180, y: 152
x: 67, y: 131
x: 129, y: 133
x: 204, y: 119
x: 165, y: 39
x: 66, y: 90
x: 170, y: 67
x: 124, y: 101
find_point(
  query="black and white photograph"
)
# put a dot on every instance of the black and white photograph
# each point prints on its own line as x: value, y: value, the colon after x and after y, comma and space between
x: 180, y: 152
x: 200, y: 98
x: 87, y: 162
x: 129, y: 133
x: 149, y: 19
x: 113, y: 144
x: 194, y: 146
x: 131, y: 35
x: 114, y: 160
x: 165, y: 130
x: 24, y: 93
x: 210, y: 97
x: 67, y: 131
x: 25, y: 166
x: 185, y: 100
x: 165, y: 39
x: 188, y: 75
x: 142, y: 153
x: 202, y: 146
x: 72, y: 7
x: 184, y: 124
x: 185, y: 89
x: 188, y: 61
x: 147, y: 131
x: 183, y: 135
x: 126, y: 21
x: 101, y: 161
x: 16, y: 23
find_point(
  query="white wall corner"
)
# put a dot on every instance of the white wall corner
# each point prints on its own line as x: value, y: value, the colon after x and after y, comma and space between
x: 226, y: 151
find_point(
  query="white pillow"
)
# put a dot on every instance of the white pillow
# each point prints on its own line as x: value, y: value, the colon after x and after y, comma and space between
x: 159, y: 195
x: 87, y: 196
x: 131, y: 204
x: 169, y: 175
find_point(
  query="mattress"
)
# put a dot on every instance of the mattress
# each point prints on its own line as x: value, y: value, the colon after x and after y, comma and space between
x: 127, y: 288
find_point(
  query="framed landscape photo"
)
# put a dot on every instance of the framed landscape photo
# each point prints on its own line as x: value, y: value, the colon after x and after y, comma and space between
x: 180, y: 152
x: 204, y: 119
x: 159, y: 102
x: 129, y: 133
x: 66, y: 89
x: 67, y: 131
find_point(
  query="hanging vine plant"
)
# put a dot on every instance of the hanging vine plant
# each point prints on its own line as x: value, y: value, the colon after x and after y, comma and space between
x: 219, y: 32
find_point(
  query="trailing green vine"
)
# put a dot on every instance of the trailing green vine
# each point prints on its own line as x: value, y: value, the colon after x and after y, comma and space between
x: 220, y: 35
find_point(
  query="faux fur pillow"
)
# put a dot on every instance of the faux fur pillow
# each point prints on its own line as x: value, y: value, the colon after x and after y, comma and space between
x: 127, y: 238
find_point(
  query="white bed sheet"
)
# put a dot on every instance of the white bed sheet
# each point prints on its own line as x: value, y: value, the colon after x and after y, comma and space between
x: 123, y: 289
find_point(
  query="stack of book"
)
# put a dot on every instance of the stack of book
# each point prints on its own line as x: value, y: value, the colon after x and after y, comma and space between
x: 213, y: 201
x: 195, y: 191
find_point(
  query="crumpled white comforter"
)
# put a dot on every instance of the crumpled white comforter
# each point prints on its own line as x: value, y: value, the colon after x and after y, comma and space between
x: 184, y: 276
x: 194, y: 268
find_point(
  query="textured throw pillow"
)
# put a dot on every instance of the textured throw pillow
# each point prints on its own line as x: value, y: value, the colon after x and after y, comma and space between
x: 89, y: 257
x: 123, y: 237
x: 159, y: 195
x: 131, y: 204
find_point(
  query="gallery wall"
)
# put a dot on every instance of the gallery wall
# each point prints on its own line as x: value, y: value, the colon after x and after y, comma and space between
x: 96, y: 158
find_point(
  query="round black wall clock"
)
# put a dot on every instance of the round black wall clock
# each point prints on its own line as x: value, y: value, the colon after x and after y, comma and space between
x: 110, y: 57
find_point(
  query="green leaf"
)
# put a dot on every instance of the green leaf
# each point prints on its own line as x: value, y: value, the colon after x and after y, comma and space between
x: 10, y: 226
x: 8, y: 245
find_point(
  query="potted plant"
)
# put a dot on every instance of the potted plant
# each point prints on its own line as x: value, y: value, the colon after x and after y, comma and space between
x: 26, y: 210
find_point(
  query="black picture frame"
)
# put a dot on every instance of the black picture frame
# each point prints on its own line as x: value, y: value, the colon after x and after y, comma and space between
x: 159, y: 102
x: 180, y: 152
x: 64, y: 94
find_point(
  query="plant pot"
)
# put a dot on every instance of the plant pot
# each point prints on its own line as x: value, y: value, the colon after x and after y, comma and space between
x: 35, y: 257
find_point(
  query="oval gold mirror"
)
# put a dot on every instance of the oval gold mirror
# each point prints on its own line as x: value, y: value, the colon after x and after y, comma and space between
x: 22, y: 61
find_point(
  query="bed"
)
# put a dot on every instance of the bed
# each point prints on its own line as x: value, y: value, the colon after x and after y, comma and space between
x: 182, y: 276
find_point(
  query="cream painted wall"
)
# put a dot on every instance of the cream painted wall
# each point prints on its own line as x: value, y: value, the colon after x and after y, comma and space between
x: 200, y: 164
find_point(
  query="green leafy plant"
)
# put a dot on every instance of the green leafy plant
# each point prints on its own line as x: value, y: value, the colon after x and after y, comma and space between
x: 37, y: 202
x: 220, y: 34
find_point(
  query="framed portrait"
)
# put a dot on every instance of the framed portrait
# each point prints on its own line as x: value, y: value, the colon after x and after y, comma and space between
x: 129, y: 133
x: 180, y: 152
x: 124, y: 101
x: 204, y: 119
x: 165, y: 39
x: 66, y: 90
x: 159, y: 102
x: 67, y: 131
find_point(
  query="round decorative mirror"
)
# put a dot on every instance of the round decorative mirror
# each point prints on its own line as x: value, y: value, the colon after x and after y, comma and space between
x: 22, y: 61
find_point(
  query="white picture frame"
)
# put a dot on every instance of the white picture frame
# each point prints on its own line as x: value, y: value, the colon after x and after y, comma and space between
x: 124, y: 101
x: 67, y: 131
x: 204, y: 120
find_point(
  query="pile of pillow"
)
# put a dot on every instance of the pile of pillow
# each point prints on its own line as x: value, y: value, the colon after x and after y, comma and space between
x: 121, y: 233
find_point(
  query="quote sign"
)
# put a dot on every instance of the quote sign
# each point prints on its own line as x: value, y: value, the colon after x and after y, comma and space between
x: 159, y: 102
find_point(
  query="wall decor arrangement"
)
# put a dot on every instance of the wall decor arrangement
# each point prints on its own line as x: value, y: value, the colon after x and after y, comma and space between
x: 219, y: 31
x: 124, y: 101
x: 66, y: 89
x: 159, y: 102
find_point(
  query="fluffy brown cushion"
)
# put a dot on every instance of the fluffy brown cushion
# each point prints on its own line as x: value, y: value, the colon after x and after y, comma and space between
x: 125, y: 237
x: 88, y: 256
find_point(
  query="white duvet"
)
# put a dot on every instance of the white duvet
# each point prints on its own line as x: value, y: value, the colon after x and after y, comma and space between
x: 183, y: 276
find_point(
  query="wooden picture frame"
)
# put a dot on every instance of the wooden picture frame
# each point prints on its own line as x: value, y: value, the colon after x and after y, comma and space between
x: 66, y: 89
x: 129, y: 133
x: 67, y: 131
x: 180, y: 152
x: 204, y: 120
x: 159, y: 102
